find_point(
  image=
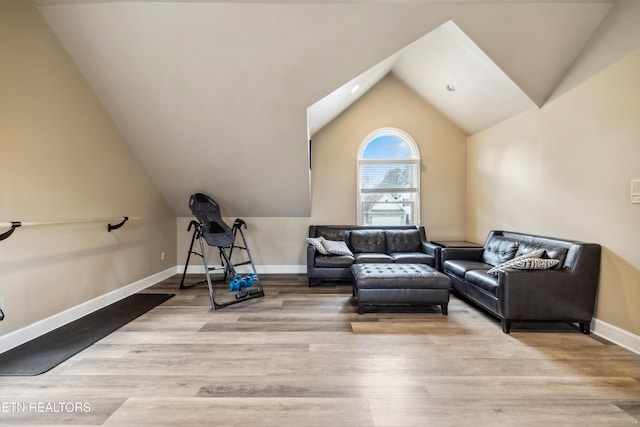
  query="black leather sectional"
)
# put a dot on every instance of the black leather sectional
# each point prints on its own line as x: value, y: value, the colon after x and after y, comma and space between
x: 564, y: 293
x: 369, y: 244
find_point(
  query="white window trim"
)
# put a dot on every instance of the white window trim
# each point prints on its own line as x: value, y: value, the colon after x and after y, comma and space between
x: 415, y: 152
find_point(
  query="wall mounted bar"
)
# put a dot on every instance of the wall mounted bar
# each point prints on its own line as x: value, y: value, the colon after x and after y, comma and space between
x: 15, y: 224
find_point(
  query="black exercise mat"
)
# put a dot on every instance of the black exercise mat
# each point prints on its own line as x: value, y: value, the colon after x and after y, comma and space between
x: 47, y: 351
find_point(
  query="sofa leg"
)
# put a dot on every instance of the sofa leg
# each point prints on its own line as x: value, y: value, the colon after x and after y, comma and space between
x: 313, y: 282
x: 445, y: 308
x: 585, y: 327
x: 506, y: 326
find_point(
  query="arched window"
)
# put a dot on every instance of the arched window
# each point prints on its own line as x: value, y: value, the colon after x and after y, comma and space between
x: 388, y: 179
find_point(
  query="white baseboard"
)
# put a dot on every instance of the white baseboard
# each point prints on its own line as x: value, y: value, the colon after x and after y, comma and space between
x: 23, y: 335
x: 616, y: 335
x: 260, y: 269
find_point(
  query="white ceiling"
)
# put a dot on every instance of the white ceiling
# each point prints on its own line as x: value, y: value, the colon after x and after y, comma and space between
x: 483, y: 95
x: 213, y: 96
x: 331, y: 106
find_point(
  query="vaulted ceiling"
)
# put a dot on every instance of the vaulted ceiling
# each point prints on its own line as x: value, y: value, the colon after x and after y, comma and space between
x: 212, y: 96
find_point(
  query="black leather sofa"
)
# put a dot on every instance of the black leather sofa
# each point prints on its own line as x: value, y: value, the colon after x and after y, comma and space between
x: 369, y: 244
x: 564, y: 293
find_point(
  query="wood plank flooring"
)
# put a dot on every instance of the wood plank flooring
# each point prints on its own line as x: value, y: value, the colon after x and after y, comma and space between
x: 302, y: 356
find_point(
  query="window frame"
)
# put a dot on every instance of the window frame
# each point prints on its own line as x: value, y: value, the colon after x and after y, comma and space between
x: 414, y: 162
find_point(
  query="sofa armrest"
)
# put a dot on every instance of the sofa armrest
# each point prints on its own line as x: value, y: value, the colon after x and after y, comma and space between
x: 466, y: 254
x: 311, y: 257
x: 430, y: 249
x: 433, y: 250
x: 546, y: 295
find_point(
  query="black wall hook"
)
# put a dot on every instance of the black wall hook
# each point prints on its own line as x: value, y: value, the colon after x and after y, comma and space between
x: 14, y: 225
x: 115, y: 227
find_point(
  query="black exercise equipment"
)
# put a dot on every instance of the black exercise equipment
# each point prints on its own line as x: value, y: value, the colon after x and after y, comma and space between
x: 210, y: 228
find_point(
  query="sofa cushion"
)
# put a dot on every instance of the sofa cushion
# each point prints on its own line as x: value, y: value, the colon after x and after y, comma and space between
x: 525, y: 248
x: 498, y: 250
x: 551, y: 252
x: 403, y: 241
x: 460, y: 267
x: 334, y: 261
x: 330, y: 233
x: 336, y: 247
x: 368, y: 241
x: 483, y: 280
x: 558, y: 253
x: 362, y: 258
x: 413, y: 258
x: 316, y: 242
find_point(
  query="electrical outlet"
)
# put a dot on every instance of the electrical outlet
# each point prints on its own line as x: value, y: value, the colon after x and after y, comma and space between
x: 162, y: 255
x: 635, y: 191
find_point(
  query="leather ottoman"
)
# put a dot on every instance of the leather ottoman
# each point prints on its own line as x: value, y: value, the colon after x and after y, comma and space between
x: 400, y: 286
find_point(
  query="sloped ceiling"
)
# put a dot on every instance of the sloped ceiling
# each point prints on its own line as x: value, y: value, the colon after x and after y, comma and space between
x: 449, y: 71
x: 213, y: 96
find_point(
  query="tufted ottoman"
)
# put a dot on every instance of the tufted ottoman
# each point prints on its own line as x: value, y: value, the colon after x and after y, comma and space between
x: 408, y: 286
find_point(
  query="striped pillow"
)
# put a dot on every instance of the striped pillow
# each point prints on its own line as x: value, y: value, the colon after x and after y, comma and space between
x: 512, y: 262
x: 535, y: 264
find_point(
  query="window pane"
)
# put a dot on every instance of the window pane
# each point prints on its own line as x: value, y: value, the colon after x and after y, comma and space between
x: 388, y: 209
x: 387, y: 147
x: 382, y: 176
x: 388, y: 179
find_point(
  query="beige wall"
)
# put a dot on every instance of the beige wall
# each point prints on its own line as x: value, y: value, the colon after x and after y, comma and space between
x: 272, y: 242
x: 280, y: 241
x: 565, y: 171
x: 62, y: 159
x: 442, y: 147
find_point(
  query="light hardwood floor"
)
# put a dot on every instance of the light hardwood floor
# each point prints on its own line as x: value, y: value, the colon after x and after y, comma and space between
x: 303, y: 357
